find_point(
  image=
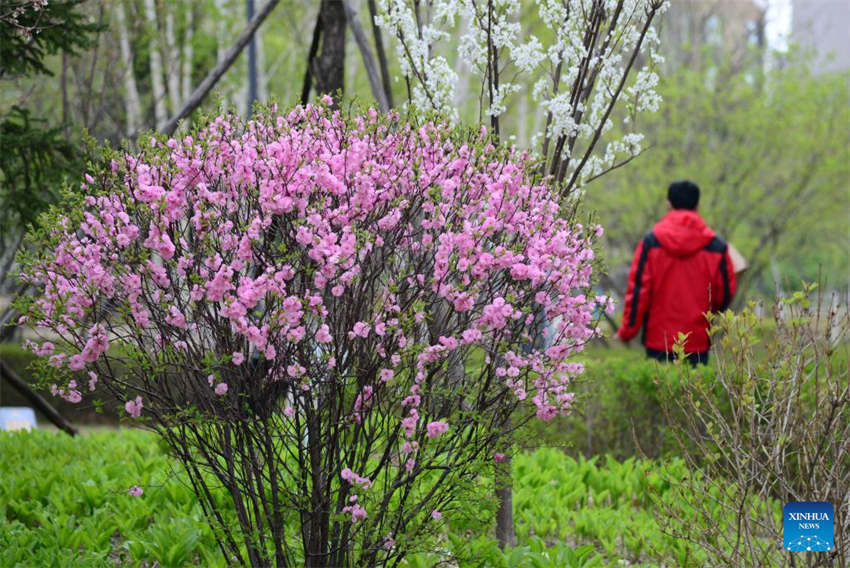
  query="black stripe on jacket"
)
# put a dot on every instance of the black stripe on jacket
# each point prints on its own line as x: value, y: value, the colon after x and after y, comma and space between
x: 649, y: 241
x: 719, y: 245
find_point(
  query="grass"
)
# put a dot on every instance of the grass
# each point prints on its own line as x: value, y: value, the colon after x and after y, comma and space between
x: 64, y: 502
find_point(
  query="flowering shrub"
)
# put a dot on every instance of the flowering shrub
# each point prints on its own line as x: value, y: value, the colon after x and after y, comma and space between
x: 318, y: 311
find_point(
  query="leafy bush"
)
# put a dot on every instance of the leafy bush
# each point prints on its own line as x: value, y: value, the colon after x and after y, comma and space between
x: 772, y: 423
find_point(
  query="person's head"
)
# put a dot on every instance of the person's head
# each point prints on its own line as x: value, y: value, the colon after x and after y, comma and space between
x: 683, y: 195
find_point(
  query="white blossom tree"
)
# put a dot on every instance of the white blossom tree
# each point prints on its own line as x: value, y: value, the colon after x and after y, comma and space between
x: 581, y: 60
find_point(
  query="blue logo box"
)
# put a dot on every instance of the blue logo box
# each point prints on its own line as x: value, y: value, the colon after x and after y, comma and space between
x: 808, y: 526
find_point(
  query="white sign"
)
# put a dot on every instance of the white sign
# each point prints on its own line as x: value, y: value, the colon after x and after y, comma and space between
x: 17, y: 418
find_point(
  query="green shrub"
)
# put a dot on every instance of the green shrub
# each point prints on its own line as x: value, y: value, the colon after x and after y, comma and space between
x: 771, y: 424
x: 618, y: 410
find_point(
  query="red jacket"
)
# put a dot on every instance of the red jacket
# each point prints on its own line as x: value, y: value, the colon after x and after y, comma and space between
x: 680, y: 271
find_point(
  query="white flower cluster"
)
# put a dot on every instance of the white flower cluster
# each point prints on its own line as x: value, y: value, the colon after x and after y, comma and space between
x: 432, y: 79
x: 575, y: 67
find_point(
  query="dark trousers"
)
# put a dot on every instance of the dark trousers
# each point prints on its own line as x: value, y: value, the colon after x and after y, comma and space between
x: 667, y: 356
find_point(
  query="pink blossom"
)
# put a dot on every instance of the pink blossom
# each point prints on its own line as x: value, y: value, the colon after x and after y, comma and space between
x: 498, y: 458
x: 135, y: 491
x: 237, y: 358
x: 357, y: 512
x: 436, y: 428
x: 166, y: 247
x: 134, y: 407
x: 296, y: 334
x: 73, y: 396
x: 409, y: 425
x: 436, y: 515
x: 353, y: 479
x: 360, y: 329
x: 220, y: 284
x: 221, y: 389
x: 463, y: 303
x: 323, y: 335
x: 176, y: 318
x: 45, y: 350
x: 471, y: 335
x: 76, y: 362
x: 92, y: 380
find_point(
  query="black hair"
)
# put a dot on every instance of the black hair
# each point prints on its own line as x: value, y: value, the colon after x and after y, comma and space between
x: 683, y: 194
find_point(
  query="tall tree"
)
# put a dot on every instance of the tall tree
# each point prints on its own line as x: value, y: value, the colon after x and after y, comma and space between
x: 131, y: 91
x: 159, y: 95
x: 35, y: 156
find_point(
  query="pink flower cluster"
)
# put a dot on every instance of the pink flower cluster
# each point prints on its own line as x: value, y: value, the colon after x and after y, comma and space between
x: 134, y: 407
x: 436, y: 428
x: 354, y: 508
x: 354, y: 479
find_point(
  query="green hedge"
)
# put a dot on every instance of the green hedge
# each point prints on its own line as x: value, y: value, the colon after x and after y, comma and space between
x: 618, y: 409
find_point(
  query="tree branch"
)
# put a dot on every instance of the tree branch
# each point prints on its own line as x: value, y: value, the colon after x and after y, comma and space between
x: 368, y: 59
x: 382, y: 54
x: 219, y: 70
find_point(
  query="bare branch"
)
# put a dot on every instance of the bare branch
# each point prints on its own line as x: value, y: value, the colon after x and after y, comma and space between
x: 382, y: 54
x: 35, y: 399
x: 219, y: 70
x: 366, y: 53
x: 311, y: 55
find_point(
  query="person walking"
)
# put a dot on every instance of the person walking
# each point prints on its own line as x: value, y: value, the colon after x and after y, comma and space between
x: 681, y: 270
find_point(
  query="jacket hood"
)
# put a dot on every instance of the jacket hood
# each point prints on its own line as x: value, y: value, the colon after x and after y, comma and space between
x: 682, y: 232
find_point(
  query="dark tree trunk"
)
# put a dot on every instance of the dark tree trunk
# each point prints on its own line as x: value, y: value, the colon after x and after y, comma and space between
x: 328, y: 68
x: 318, y: 529
x: 504, y: 493
x: 505, y: 514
